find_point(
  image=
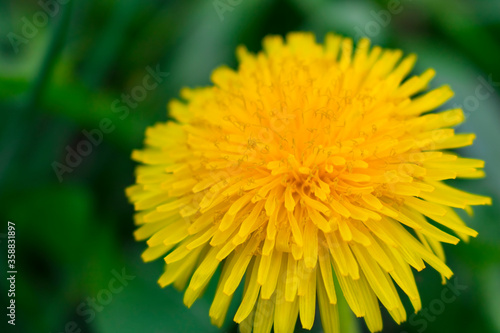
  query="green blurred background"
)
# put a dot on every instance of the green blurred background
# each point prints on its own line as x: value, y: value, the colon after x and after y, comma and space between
x: 65, y: 66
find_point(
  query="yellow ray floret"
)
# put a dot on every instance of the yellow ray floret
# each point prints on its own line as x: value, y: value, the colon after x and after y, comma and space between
x: 310, y: 165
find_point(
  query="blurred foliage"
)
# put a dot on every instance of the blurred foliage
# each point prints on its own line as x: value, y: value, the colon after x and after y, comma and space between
x: 66, y: 77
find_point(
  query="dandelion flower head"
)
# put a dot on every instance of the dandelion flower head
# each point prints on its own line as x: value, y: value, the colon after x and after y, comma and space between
x: 313, y: 171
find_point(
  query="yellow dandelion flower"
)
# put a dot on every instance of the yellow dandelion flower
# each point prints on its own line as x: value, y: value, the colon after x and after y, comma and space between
x: 306, y: 167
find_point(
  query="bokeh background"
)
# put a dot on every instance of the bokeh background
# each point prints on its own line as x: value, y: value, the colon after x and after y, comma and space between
x: 66, y: 65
